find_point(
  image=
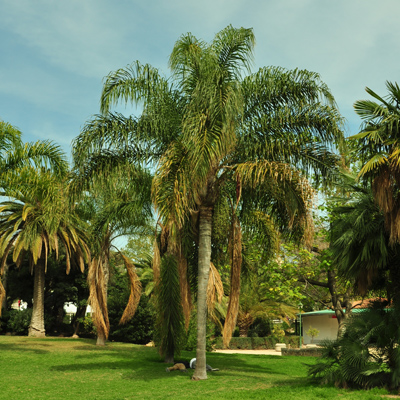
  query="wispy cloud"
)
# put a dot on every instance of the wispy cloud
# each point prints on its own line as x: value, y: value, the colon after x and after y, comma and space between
x: 55, y: 53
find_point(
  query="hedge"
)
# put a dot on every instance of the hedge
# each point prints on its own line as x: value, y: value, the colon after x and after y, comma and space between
x: 316, y: 352
x: 256, y: 343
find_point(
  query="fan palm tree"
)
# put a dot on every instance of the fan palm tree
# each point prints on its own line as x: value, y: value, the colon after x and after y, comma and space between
x: 366, y: 355
x: 378, y: 146
x: 359, y: 241
x: 35, y: 221
x: 210, y: 127
x: 379, y: 151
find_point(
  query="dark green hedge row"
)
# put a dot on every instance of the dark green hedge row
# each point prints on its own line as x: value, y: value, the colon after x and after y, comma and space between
x: 312, y: 352
x: 254, y: 343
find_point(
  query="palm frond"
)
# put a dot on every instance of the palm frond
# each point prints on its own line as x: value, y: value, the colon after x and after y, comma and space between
x: 135, y: 291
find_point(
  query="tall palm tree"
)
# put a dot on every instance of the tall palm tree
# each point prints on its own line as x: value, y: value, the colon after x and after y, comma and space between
x: 378, y: 146
x: 379, y: 151
x: 35, y: 221
x: 209, y: 128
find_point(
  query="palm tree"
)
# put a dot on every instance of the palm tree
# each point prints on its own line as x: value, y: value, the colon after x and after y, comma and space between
x: 116, y: 204
x: 35, y: 221
x: 10, y: 137
x: 379, y: 151
x: 210, y: 128
x: 15, y: 154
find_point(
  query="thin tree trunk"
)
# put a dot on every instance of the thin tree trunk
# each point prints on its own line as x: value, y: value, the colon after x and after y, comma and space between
x: 76, y: 320
x: 36, y: 328
x: 205, y: 227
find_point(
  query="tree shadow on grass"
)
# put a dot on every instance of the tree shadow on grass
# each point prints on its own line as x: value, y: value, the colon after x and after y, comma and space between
x: 22, y: 347
x: 140, y: 362
x: 151, y: 367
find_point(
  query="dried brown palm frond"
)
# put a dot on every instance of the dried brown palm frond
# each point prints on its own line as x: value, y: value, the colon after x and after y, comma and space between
x: 234, y: 294
x: 215, y: 288
x: 284, y: 183
x: 365, y: 279
x: 135, y: 293
x: 186, y: 297
x: 306, y: 222
x: 98, y: 297
x: 2, y: 295
x: 156, y: 262
x: 5, y: 255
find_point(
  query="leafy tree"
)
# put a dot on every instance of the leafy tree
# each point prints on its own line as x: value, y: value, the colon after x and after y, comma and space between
x: 312, y: 332
x: 210, y: 128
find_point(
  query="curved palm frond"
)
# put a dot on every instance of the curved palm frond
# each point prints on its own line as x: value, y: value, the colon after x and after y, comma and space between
x: 135, y: 83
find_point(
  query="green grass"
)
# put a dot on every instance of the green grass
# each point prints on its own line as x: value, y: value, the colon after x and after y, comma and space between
x: 76, y: 369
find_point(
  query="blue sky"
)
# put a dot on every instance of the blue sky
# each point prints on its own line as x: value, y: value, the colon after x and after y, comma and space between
x: 55, y: 54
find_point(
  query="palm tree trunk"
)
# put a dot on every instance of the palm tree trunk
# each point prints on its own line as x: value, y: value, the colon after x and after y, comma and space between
x: 205, y: 225
x: 101, y: 339
x: 36, y: 328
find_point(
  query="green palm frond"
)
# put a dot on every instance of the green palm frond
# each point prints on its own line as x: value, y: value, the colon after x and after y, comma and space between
x: 378, y: 160
x: 234, y: 48
x: 170, y: 320
x: 135, y: 83
x: 10, y: 137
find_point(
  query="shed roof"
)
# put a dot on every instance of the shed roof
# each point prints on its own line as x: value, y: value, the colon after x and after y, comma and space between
x: 327, y: 312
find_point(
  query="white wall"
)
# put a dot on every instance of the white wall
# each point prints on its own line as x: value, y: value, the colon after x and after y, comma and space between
x: 327, y: 326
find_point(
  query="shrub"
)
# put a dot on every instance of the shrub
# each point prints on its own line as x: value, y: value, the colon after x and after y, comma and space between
x: 18, y: 321
x: 254, y: 343
x: 138, y: 330
x: 366, y: 355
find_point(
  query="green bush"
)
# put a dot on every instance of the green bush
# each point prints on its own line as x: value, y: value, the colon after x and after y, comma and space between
x: 88, y: 330
x: 260, y: 328
x: 191, y: 336
x: 18, y: 321
x: 139, y: 329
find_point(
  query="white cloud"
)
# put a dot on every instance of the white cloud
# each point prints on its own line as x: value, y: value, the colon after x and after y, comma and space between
x: 55, y: 53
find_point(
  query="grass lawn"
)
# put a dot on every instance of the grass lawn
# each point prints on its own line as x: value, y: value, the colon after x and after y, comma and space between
x: 63, y: 369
